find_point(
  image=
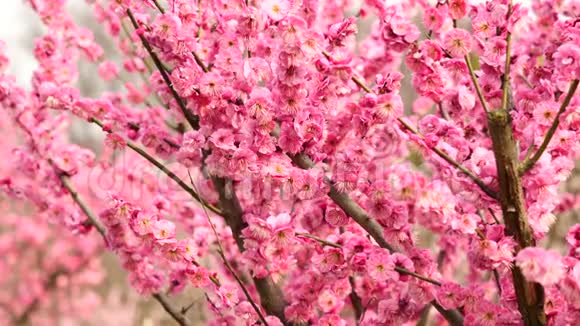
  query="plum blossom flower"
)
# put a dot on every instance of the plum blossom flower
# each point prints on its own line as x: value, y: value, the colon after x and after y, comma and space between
x: 276, y: 9
x: 458, y: 42
x: 163, y: 230
x: 540, y: 265
x: 228, y: 294
x: 381, y: 267
x: 567, y: 60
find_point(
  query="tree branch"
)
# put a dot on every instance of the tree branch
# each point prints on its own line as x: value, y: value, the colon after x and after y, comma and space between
x: 192, y: 119
x: 529, y: 163
x: 456, y: 164
x: 179, y: 318
x: 476, y: 83
x: 530, y: 295
x: 93, y: 220
x: 174, y: 313
x: 271, y: 296
x: 506, y: 74
x: 355, y: 300
x: 454, y: 317
x: 322, y: 241
x: 165, y: 170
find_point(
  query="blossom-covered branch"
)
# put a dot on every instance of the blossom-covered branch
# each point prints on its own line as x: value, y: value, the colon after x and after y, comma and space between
x: 296, y: 128
x: 526, y: 165
x: 172, y: 311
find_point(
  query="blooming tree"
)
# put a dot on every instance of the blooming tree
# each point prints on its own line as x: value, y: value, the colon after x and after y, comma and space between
x: 267, y: 159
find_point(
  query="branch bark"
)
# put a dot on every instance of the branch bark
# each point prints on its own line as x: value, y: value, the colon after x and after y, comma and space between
x: 192, y: 119
x: 356, y: 301
x: 177, y: 315
x: 530, y: 296
x: 348, y: 205
x: 271, y: 296
x: 361, y: 217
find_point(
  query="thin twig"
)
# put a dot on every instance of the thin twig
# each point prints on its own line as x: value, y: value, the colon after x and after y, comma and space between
x: 192, y: 119
x: 322, y: 241
x: 506, y: 74
x: 174, y: 313
x: 528, y: 164
x: 497, y: 281
x: 200, y: 62
x: 159, y: 7
x: 94, y: 221
x: 494, y: 217
x: 443, y: 112
x: 476, y: 84
x: 456, y: 164
x: 165, y: 170
x: 179, y: 318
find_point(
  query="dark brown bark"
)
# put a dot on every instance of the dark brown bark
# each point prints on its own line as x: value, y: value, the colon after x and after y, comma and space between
x: 530, y: 295
x: 271, y: 296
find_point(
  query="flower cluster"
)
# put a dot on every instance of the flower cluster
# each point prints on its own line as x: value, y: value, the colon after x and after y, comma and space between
x: 263, y: 152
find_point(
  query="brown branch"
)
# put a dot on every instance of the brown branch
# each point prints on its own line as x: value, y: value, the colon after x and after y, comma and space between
x: 221, y: 253
x: 93, y: 220
x: 158, y: 6
x: 271, y: 296
x: 530, y: 295
x: 165, y: 170
x: 443, y: 112
x: 174, y: 313
x: 355, y: 300
x: 455, y: 164
x: 529, y: 163
x: 476, y: 83
x: 192, y: 119
x: 348, y: 205
x: 179, y: 318
x: 453, y: 317
x: 322, y: 241
x: 506, y: 74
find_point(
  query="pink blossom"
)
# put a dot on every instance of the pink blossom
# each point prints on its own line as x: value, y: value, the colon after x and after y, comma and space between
x: 163, y: 230
x: 328, y: 302
x: 335, y: 217
x: 199, y: 277
x: 228, y: 295
x: 457, y: 8
x: 276, y: 10
x: 458, y: 42
x: 381, y: 267
x: 450, y: 295
x: 539, y: 265
x: 433, y: 19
